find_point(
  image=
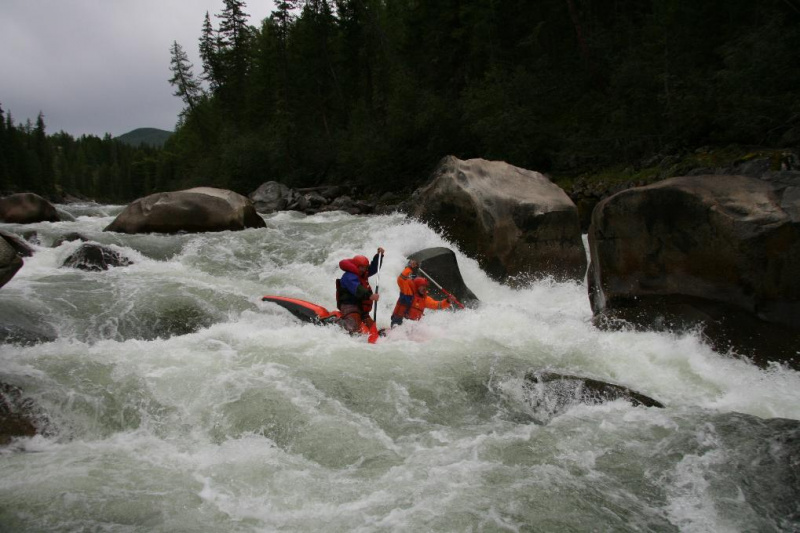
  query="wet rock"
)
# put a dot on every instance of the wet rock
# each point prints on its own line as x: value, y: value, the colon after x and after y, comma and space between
x: 95, y: 258
x: 559, y: 391
x: 22, y: 248
x: 10, y: 262
x: 719, y: 252
x: 27, y: 208
x: 195, y: 210
x: 271, y: 196
x: 515, y: 222
x: 344, y: 203
x: 19, y: 416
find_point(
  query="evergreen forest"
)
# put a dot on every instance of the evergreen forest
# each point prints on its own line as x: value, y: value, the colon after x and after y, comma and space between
x: 372, y: 93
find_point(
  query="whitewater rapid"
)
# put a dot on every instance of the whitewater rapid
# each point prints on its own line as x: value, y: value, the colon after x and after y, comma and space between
x: 176, y: 400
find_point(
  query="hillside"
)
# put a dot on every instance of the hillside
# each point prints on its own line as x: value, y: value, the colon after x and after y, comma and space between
x: 149, y: 136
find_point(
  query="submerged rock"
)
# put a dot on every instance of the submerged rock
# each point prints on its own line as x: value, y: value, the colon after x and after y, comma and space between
x: 94, y: 258
x: 554, y: 392
x: 19, y: 416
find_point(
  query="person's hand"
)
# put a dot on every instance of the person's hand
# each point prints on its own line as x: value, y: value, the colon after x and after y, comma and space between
x: 381, y: 250
x: 451, y: 298
x: 375, y: 297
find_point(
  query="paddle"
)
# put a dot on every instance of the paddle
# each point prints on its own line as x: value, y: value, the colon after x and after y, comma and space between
x: 373, y: 331
x: 459, y: 304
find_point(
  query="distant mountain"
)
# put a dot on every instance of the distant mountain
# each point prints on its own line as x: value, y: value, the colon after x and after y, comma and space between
x: 149, y: 136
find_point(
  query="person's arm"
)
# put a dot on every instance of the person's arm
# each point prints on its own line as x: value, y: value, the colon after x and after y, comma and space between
x: 404, y: 281
x: 373, y: 266
x: 430, y: 303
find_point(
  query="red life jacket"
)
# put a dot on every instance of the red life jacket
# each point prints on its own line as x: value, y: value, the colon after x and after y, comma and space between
x: 345, y: 297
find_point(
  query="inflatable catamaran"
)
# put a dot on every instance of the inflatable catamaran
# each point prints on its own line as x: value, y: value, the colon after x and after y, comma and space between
x: 305, y: 311
x: 437, y: 262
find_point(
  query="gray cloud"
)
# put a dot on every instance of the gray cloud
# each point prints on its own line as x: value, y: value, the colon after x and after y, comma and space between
x: 99, y: 66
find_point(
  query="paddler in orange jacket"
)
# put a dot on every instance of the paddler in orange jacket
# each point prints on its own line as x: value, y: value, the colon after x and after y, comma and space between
x: 354, y: 295
x: 414, y: 297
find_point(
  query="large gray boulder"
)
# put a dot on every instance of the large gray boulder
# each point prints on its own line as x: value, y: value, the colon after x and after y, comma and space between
x: 27, y: 208
x: 515, y: 222
x: 719, y: 251
x: 195, y: 210
x: 272, y: 196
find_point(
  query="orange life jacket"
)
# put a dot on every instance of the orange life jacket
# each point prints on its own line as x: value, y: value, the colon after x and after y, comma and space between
x: 416, y: 308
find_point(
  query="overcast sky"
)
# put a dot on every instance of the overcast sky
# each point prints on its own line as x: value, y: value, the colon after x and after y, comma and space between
x: 100, y: 66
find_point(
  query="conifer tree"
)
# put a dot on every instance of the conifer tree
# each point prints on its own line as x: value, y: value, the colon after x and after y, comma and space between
x: 209, y: 55
x: 234, y: 41
x: 187, y: 88
x: 4, y: 150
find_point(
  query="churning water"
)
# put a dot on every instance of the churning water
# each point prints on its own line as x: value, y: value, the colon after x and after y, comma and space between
x: 177, y: 401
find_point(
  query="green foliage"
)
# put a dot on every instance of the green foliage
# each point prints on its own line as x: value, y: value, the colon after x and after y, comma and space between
x: 375, y: 92
x: 104, y: 169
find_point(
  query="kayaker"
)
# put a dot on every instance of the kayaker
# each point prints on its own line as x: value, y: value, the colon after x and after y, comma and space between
x: 354, y: 296
x: 414, y: 297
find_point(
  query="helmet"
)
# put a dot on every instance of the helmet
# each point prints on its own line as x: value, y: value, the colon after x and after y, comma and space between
x: 361, y: 261
x: 420, y: 282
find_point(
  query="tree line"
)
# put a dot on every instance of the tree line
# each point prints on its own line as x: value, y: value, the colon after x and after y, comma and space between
x: 374, y: 92
x: 59, y: 165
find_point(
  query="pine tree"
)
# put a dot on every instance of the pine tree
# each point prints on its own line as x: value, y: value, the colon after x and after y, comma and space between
x: 45, y: 180
x: 186, y: 86
x: 5, y: 179
x: 209, y: 55
x: 234, y: 41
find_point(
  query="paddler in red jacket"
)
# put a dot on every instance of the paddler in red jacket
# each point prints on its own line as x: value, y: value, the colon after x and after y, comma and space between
x: 414, y: 297
x: 354, y: 296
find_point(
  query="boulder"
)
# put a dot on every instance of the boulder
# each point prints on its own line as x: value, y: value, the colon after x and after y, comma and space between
x: 10, y: 261
x: 95, y: 258
x: 515, y: 222
x: 343, y: 203
x: 271, y: 196
x: 441, y: 266
x: 22, y: 248
x: 20, y: 416
x: 722, y: 252
x: 27, y: 208
x: 315, y: 200
x: 194, y: 210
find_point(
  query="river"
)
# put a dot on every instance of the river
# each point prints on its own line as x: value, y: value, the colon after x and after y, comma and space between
x: 177, y: 401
